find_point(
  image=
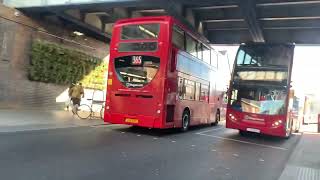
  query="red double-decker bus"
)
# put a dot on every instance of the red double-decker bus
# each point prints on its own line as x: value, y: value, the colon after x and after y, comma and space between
x: 260, y: 99
x: 161, y: 75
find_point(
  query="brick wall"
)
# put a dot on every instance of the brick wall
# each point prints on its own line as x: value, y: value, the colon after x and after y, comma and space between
x: 16, y: 36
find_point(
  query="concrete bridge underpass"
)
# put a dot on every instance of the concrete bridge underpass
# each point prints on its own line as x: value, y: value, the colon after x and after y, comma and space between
x: 221, y: 21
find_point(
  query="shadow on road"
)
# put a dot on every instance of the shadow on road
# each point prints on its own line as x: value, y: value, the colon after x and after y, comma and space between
x: 162, y: 132
x: 233, y: 135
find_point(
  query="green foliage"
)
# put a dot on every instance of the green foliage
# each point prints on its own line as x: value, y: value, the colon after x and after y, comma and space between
x: 52, y: 63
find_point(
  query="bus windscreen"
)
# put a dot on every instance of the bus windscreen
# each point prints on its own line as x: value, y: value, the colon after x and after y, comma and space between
x: 259, y: 100
x: 136, y: 71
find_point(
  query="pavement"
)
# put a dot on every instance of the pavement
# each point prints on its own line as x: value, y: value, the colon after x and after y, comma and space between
x: 304, y: 163
x: 28, y: 120
x: 58, y: 146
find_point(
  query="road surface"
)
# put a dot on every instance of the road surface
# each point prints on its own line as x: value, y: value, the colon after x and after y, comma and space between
x: 115, y: 152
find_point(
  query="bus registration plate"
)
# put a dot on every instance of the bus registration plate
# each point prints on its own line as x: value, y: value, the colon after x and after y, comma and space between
x: 130, y: 120
x: 253, y: 130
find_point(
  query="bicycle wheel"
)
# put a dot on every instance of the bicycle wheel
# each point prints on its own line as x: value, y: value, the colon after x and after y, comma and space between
x: 102, y: 113
x: 84, y: 111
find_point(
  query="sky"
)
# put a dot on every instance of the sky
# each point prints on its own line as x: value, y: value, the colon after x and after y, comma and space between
x: 306, y: 68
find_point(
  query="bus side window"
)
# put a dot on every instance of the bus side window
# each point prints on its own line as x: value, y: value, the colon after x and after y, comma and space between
x: 199, y: 50
x: 204, y: 92
x: 206, y: 54
x: 191, y: 46
x: 214, y: 59
x: 189, y: 89
x: 173, y: 60
x: 178, y: 37
x: 197, y: 98
x: 181, y: 88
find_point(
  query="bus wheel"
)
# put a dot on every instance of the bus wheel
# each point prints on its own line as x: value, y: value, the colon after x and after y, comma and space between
x: 217, y: 118
x: 288, y: 133
x: 185, y: 121
x: 242, y: 133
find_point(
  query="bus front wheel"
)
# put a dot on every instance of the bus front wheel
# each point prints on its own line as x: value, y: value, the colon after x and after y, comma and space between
x: 289, y: 132
x: 185, y: 121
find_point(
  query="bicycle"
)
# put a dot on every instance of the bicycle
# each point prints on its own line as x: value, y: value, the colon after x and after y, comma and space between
x: 89, y: 110
x: 84, y: 111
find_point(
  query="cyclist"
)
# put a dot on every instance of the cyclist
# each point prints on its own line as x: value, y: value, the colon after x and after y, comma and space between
x: 76, y: 92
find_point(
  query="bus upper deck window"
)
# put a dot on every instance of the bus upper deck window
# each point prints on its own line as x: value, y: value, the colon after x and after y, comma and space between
x: 140, y: 31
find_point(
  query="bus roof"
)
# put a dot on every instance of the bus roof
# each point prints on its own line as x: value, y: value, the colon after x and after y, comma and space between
x: 266, y: 44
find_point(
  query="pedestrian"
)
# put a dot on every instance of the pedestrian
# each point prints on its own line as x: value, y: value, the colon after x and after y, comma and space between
x: 76, y: 92
x: 68, y: 103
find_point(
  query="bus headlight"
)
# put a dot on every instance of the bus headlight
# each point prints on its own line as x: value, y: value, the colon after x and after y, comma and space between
x: 277, y: 123
x: 232, y: 117
x: 158, y: 111
x: 107, y: 107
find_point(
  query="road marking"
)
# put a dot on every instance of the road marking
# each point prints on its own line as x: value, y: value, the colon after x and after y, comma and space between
x: 173, y: 141
x: 215, y: 129
x: 245, y: 142
x: 236, y: 155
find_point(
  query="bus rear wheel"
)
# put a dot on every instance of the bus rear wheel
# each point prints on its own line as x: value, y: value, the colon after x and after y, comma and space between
x: 242, y: 132
x: 185, y: 121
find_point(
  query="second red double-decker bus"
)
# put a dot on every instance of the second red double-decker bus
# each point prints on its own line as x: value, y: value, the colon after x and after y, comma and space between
x: 161, y: 75
x: 260, y: 98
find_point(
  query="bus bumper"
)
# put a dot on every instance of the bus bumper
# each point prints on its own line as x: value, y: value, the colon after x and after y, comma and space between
x: 268, y: 130
x: 137, y: 120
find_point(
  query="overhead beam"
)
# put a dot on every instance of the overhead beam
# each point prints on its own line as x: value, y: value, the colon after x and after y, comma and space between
x: 214, y: 7
x: 202, y: 3
x: 265, y: 13
x: 301, y: 11
x: 298, y: 36
x: 228, y: 24
x: 286, y: 3
x: 177, y: 10
x: 219, y: 14
x: 150, y: 10
x: 248, y: 9
x: 292, y: 24
x: 102, y: 5
x: 81, y: 24
x: 222, y: 20
x: 229, y: 37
